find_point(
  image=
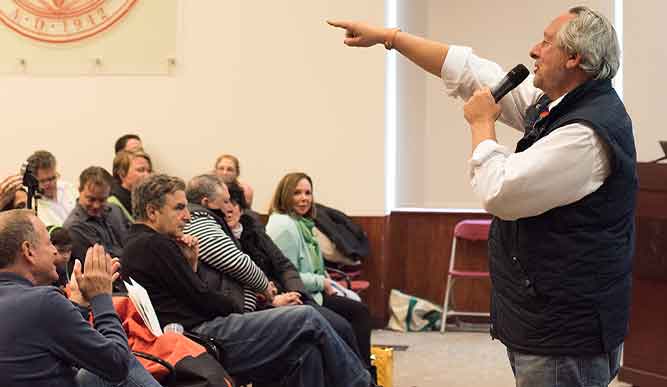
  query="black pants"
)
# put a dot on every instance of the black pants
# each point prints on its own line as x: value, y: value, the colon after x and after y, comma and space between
x: 358, y: 316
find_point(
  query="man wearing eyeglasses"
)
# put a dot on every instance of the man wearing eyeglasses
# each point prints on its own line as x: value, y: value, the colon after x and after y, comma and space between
x: 57, y: 198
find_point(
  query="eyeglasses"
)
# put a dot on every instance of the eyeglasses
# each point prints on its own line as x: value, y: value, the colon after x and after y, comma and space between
x: 49, y: 179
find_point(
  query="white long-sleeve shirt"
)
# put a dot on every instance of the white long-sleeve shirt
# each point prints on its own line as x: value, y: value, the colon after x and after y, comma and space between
x: 558, y: 169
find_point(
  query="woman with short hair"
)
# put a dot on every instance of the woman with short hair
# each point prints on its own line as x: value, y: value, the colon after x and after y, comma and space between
x: 129, y: 168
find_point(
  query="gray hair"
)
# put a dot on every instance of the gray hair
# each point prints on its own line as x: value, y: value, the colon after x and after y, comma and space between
x: 153, y: 191
x: 203, y: 186
x: 592, y: 36
x: 15, y: 228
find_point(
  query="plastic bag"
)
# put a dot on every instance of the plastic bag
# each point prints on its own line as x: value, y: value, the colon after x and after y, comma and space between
x: 412, y: 314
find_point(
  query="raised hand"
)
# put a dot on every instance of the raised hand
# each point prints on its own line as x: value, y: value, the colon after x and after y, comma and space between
x: 99, y: 273
x: 73, y: 285
x: 8, y: 187
x: 359, y: 34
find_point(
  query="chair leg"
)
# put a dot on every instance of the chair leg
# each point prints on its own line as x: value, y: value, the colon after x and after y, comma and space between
x: 445, y: 304
x: 448, y: 287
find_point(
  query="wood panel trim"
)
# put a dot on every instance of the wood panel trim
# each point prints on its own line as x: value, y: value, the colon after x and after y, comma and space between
x: 410, y: 252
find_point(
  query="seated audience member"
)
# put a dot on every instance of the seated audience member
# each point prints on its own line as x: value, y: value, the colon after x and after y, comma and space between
x: 278, y: 268
x: 291, y: 346
x: 290, y: 226
x: 9, y: 186
x: 45, y: 338
x: 261, y: 249
x: 229, y: 169
x: 93, y: 221
x: 61, y: 240
x: 128, y: 142
x: 20, y: 199
x: 129, y: 167
x: 207, y: 196
x: 57, y: 198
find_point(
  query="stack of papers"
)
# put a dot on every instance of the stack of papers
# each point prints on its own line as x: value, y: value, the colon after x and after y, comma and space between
x: 142, y: 303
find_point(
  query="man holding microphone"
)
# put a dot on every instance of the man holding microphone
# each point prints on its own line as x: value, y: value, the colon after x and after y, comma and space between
x: 562, y: 238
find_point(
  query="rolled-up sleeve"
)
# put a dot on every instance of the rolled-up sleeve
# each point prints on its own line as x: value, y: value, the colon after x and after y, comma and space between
x: 463, y: 73
x: 557, y: 170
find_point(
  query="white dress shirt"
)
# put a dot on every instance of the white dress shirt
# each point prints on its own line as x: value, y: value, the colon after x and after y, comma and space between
x: 558, y: 169
x: 54, y: 212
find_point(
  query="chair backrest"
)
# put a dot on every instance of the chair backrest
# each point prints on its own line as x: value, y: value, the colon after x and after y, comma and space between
x: 473, y: 230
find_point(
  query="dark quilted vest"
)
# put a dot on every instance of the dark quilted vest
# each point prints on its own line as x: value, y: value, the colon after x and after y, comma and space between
x: 561, y: 280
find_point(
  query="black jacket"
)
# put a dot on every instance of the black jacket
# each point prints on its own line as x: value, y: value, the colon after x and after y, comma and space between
x: 178, y: 294
x: 349, y: 238
x: 218, y: 281
x: 278, y: 268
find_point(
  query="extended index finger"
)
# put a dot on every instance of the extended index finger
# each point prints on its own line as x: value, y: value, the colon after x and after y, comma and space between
x: 339, y: 23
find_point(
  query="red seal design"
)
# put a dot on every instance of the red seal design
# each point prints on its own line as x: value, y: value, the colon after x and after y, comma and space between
x: 62, y: 21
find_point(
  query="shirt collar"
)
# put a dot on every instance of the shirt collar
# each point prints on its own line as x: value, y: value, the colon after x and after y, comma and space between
x: 13, y: 277
x: 83, y: 214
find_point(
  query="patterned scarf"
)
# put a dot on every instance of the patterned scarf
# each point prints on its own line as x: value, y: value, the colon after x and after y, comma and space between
x: 305, y: 226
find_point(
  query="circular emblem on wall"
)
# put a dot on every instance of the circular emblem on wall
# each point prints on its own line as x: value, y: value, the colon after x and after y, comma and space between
x: 62, y: 21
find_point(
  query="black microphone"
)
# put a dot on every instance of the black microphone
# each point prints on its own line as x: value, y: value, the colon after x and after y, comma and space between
x: 511, y: 80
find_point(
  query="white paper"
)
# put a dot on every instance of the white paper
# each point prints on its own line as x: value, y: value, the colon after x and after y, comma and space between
x: 139, y: 297
x: 345, y: 292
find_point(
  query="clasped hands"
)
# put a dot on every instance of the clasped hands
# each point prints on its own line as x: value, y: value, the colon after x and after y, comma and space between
x: 190, y: 247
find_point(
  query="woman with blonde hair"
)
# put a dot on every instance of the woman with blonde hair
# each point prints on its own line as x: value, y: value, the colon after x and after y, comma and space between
x: 228, y: 168
x: 129, y: 168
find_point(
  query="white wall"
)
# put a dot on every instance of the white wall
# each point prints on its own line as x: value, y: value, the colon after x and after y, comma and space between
x: 644, y: 74
x: 271, y: 83
x: 411, y: 114
x: 267, y: 81
x: 502, y: 31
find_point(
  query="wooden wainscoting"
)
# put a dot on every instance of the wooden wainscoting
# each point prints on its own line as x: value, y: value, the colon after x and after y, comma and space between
x: 410, y: 252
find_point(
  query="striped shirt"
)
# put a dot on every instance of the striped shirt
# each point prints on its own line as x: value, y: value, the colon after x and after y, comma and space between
x: 219, y: 251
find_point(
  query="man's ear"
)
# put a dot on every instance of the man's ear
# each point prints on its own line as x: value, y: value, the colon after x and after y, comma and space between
x: 151, y: 212
x: 573, y: 61
x: 26, y: 251
x: 204, y: 202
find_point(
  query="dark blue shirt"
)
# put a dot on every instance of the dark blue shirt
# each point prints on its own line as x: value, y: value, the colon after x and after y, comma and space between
x: 44, y: 337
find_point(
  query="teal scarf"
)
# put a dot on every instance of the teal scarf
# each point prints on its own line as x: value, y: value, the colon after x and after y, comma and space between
x: 305, y: 226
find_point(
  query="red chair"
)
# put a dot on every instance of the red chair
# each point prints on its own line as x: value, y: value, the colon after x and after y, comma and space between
x: 470, y: 230
x: 349, y: 279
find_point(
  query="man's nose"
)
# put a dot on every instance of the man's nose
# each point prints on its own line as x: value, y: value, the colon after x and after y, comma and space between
x: 533, y: 52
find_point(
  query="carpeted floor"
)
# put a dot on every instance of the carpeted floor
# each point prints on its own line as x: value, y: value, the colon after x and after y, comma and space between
x: 455, y: 359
